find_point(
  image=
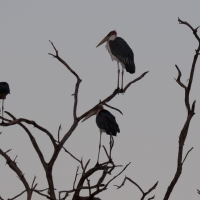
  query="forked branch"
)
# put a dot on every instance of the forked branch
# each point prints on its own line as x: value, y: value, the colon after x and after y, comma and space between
x: 144, y: 194
x: 190, y: 114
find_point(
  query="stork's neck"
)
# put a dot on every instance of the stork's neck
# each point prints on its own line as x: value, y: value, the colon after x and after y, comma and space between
x: 112, y: 37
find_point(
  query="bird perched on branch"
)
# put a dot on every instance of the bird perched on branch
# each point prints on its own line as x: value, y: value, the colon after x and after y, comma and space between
x: 106, y: 123
x: 4, y: 90
x: 120, y: 51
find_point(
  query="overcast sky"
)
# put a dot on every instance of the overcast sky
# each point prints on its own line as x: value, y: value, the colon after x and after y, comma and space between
x: 153, y: 108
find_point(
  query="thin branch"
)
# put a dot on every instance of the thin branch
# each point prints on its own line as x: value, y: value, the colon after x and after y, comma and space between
x: 75, y: 74
x: 144, y: 194
x: 17, y: 195
x: 44, y: 195
x: 187, y: 155
x: 59, y: 132
x: 178, y: 80
x: 135, y: 80
x: 75, y: 177
x: 33, y: 182
x: 71, y: 154
x: 106, y: 185
x: 16, y: 169
x: 127, y: 178
x: 18, y: 121
x: 113, y: 108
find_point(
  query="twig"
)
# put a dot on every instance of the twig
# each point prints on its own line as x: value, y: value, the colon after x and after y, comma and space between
x: 178, y: 80
x: 75, y: 177
x: 144, y: 194
x: 59, y: 133
x: 113, y: 108
x: 71, y: 154
x: 17, y: 195
x: 187, y: 155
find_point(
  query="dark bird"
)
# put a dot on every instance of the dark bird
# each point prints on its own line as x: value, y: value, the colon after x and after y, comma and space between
x: 106, y: 123
x: 4, y: 90
x: 120, y: 51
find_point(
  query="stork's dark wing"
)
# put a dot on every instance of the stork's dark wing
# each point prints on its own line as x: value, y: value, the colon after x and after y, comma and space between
x: 4, y: 88
x: 121, y: 50
x: 106, y: 121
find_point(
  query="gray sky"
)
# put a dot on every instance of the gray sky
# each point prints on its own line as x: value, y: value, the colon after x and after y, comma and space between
x: 154, y: 110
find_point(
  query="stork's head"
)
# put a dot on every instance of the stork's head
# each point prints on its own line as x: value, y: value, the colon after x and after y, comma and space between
x: 93, y: 112
x: 111, y: 36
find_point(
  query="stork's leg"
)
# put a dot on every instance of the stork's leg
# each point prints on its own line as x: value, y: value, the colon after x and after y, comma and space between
x: 118, y: 75
x: 111, y: 144
x: 122, y: 78
x: 99, y: 148
x: 2, y: 109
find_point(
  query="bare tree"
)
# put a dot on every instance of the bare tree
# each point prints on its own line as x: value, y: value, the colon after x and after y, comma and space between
x: 82, y: 182
x: 50, y: 192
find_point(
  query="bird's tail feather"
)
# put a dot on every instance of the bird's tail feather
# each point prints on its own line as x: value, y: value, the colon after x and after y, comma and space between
x: 130, y: 68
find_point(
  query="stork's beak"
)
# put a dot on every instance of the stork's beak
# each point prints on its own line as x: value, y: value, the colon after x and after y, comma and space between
x: 104, y: 40
x: 93, y: 112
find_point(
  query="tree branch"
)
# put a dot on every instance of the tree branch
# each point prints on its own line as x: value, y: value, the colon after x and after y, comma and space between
x: 16, y: 169
x: 190, y: 114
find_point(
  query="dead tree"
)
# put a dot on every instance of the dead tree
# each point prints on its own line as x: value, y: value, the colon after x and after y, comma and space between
x: 190, y: 112
x: 106, y: 167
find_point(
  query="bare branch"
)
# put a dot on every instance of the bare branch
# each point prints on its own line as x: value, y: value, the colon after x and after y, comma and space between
x: 44, y: 195
x: 178, y: 80
x: 110, y: 97
x: 127, y: 178
x: 17, y: 195
x: 59, y: 132
x: 187, y: 155
x: 144, y: 194
x: 135, y: 80
x: 16, y: 169
x: 71, y: 154
x: 75, y: 177
x: 190, y: 114
x: 113, y: 108
x: 106, y: 185
x: 18, y: 121
x: 33, y: 182
x: 75, y: 74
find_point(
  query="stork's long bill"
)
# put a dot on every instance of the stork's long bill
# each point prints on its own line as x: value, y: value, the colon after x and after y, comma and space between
x: 107, y: 37
x: 93, y: 112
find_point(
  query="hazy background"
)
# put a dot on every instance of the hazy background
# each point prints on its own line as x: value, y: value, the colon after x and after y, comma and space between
x: 153, y: 108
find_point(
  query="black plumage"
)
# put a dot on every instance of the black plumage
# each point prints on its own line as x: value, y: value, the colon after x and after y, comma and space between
x: 121, y: 50
x: 107, y: 123
x: 4, y: 90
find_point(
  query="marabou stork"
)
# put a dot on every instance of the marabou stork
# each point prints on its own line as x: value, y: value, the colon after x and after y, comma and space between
x: 106, y: 123
x: 4, y: 90
x: 120, y: 51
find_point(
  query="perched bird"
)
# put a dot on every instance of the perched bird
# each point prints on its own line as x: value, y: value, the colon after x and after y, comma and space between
x: 120, y: 51
x: 106, y: 123
x: 4, y: 90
